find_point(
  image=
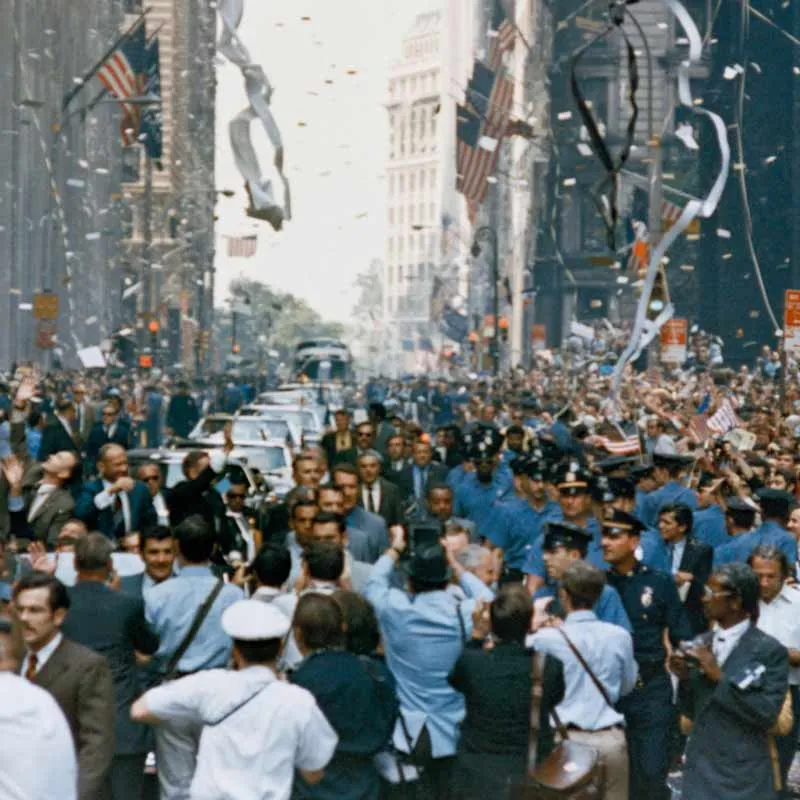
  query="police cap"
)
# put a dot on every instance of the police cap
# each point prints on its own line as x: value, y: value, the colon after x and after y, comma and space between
x: 519, y: 465
x: 617, y: 523
x: 775, y: 503
x: 613, y: 464
x: 572, y: 478
x: 537, y: 469
x: 671, y: 460
x: 565, y: 534
x: 254, y: 621
x: 639, y: 472
x: 484, y: 443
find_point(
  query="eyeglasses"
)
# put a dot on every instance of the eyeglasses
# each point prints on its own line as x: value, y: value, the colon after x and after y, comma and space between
x: 238, y: 495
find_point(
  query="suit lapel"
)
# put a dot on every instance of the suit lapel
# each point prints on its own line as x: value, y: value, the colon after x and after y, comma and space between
x: 56, y: 667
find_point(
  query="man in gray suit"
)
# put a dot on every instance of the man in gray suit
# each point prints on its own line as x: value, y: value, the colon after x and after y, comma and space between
x: 735, y: 685
x: 345, y: 476
x: 78, y: 678
x: 39, y: 501
x: 113, y: 625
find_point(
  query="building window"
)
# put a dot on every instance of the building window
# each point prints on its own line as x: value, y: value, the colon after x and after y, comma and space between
x: 391, y: 216
x: 401, y: 215
x: 391, y: 185
x: 401, y: 185
x: 132, y: 6
x: 411, y: 182
x: 421, y: 271
x: 390, y: 275
x: 422, y: 179
x: 131, y: 157
x: 432, y: 212
x: 400, y: 273
x: 433, y: 179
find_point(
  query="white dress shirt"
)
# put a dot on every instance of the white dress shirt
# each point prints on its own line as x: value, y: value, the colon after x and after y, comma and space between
x: 375, y: 490
x: 42, y: 656
x: 162, y: 512
x: 104, y: 499
x: 726, y: 639
x: 32, y: 726
x: 42, y: 493
x: 282, y: 600
x: 678, y: 550
x: 279, y: 730
x: 781, y: 619
x: 247, y: 535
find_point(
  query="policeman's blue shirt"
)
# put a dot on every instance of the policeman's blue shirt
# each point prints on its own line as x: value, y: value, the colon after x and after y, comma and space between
x: 670, y: 492
x: 641, y: 499
x: 456, y: 476
x: 534, y: 563
x: 740, y: 548
x: 654, y: 551
x: 518, y: 528
x: 477, y: 501
x: 652, y: 604
x: 709, y: 527
x: 608, y: 607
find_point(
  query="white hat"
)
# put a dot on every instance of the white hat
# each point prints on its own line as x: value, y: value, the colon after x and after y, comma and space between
x: 254, y: 621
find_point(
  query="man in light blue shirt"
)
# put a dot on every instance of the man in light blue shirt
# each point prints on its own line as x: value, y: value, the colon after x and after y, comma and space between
x: 587, y: 709
x: 424, y: 631
x: 170, y: 609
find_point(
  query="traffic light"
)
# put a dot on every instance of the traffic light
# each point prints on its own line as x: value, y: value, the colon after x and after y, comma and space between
x: 659, y: 297
x: 504, y: 328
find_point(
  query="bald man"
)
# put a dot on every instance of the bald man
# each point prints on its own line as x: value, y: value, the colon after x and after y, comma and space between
x: 115, y: 503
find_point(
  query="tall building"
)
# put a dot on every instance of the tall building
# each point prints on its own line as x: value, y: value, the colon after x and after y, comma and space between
x: 168, y: 246
x: 423, y: 239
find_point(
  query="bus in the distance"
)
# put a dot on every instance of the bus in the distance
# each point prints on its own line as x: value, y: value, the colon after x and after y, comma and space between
x: 323, y: 360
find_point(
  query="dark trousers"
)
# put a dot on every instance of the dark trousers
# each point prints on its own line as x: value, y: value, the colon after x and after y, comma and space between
x: 787, y: 745
x: 436, y: 782
x: 650, y: 718
x: 126, y: 779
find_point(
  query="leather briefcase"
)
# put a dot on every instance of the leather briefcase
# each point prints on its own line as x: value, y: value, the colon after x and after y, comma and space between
x: 571, y: 772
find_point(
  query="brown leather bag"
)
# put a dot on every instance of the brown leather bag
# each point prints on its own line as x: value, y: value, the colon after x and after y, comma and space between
x: 573, y: 771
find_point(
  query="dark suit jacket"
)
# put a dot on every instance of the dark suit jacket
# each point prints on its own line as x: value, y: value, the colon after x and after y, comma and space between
x: 113, y: 625
x: 187, y: 498
x: 143, y: 515
x: 334, y: 456
x: 55, y: 439
x: 391, y: 505
x: 98, y: 438
x: 80, y: 682
x: 230, y: 537
x: 437, y: 473
x: 727, y: 756
x: 400, y: 478
x: 697, y: 559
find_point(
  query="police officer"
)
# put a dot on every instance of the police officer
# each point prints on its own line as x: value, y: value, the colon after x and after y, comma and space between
x: 653, y: 606
x: 522, y: 518
x: 563, y: 544
x: 709, y: 519
x: 776, y: 506
x: 487, y: 485
x: 667, y: 471
x: 642, y: 477
x: 572, y: 480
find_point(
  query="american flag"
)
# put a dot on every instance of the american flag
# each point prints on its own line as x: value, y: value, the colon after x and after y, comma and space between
x: 629, y: 445
x: 502, y: 35
x: 489, y: 100
x: 724, y: 419
x: 242, y: 246
x: 122, y: 75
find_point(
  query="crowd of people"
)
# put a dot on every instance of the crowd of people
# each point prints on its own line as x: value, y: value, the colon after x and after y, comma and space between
x: 467, y: 579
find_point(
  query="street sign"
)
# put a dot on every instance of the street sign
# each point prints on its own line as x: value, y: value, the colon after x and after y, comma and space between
x: 674, y: 341
x: 791, y: 322
x: 46, y: 335
x: 45, y: 306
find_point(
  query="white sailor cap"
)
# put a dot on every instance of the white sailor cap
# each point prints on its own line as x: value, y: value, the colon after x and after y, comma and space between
x: 254, y: 621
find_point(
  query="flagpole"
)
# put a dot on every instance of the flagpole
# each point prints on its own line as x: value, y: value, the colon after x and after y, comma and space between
x: 68, y: 98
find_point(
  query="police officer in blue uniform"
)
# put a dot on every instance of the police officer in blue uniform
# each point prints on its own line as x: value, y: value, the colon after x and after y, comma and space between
x: 620, y: 493
x: 776, y: 506
x: 642, y: 477
x: 709, y: 519
x: 653, y: 605
x: 564, y: 543
x: 667, y: 471
x: 522, y: 518
x: 572, y: 480
x: 490, y: 484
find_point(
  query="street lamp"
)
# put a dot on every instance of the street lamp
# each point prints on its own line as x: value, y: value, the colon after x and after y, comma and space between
x: 487, y: 234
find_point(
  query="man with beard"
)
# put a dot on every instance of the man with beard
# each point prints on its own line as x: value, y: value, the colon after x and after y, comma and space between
x: 481, y: 491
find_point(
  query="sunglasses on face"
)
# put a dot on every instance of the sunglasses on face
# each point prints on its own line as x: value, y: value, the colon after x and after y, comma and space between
x: 237, y: 495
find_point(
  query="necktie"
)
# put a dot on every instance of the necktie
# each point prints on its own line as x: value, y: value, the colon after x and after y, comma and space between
x: 671, y: 557
x: 33, y: 662
x: 119, y: 517
x: 370, y: 499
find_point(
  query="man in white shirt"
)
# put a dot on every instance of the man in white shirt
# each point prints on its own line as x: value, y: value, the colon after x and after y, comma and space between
x: 256, y: 727
x: 779, y: 616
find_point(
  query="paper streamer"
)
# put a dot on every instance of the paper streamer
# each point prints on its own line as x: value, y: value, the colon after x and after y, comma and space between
x: 263, y: 203
x: 644, y: 331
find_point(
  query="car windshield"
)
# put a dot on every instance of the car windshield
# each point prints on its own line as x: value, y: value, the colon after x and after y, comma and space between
x: 264, y: 459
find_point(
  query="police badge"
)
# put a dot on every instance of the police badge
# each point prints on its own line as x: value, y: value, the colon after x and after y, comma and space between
x: 647, y: 597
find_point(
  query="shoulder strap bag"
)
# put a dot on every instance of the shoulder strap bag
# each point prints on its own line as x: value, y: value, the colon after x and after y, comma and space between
x: 573, y: 771
x: 199, y: 617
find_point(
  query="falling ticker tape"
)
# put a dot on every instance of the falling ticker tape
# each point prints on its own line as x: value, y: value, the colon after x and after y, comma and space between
x: 642, y: 328
x: 263, y: 202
